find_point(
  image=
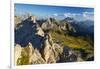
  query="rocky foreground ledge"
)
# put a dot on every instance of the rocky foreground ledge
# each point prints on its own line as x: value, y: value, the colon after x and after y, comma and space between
x: 48, y: 53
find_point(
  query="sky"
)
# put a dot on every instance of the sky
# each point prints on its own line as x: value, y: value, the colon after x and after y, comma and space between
x: 60, y: 12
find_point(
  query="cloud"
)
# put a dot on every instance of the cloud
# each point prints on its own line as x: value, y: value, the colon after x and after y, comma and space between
x: 77, y: 16
x: 68, y: 15
x: 88, y: 15
x: 80, y: 16
x: 71, y: 14
x: 55, y: 14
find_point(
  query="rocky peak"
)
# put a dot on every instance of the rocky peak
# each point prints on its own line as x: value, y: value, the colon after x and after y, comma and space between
x: 69, y: 19
x: 40, y: 31
x: 30, y: 45
x: 32, y: 18
x: 17, y: 50
x: 46, y: 48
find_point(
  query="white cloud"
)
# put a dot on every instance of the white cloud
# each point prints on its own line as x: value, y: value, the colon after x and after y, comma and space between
x: 71, y: 14
x: 65, y: 14
x: 55, y: 14
x: 68, y: 15
x: 80, y: 16
x: 77, y: 16
x: 88, y: 15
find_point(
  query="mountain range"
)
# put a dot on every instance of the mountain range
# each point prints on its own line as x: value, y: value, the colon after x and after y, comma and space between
x: 53, y: 41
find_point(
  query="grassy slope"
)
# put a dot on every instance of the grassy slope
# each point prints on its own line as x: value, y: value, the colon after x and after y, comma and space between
x: 73, y: 42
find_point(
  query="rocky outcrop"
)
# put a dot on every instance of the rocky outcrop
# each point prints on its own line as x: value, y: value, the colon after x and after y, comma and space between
x: 47, y: 50
x: 17, y: 52
x: 36, y: 58
x: 50, y: 24
x: 17, y: 20
x: 27, y: 55
x: 40, y: 32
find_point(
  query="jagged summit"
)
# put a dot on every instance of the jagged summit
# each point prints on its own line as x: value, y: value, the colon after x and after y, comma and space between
x: 69, y: 19
x: 32, y: 18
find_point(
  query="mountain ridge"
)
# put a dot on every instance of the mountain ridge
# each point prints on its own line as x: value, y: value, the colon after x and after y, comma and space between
x: 49, y: 42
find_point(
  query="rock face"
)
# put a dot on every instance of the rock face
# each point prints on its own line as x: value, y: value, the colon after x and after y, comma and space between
x: 18, y: 50
x: 27, y: 55
x: 40, y: 31
x: 36, y: 58
x: 50, y: 24
x: 47, y: 49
